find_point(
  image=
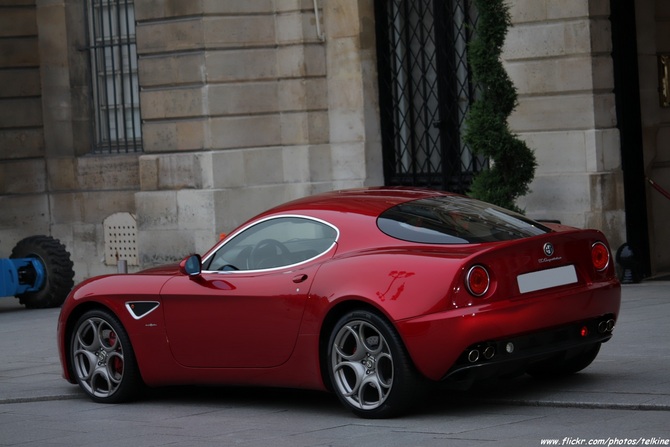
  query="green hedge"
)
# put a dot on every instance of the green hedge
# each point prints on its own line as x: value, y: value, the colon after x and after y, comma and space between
x: 512, y: 163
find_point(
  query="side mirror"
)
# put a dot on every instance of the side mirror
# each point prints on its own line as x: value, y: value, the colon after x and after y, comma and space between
x: 191, y: 265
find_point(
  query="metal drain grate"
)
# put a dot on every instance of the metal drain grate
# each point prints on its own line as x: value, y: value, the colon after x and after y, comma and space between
x: 120, y: 239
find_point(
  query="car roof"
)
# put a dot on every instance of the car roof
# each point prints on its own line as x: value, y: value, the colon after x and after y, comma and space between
x: 370, y: 201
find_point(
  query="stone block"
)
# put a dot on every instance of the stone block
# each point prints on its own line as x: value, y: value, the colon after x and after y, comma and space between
x: 304, y: 127
x: 245, y: 7
x: 550, y: 40
x: 345, y: 93
x: 156, y: 210
x: 303, y: 94
x: 264, y: 166
x: 162, y: 9
x: 164, y: 246
x: 114, y: 172
x: 245, y: 131
x: 172, y: 69
x: 348, y: 161
x: 558, y: 195
x: 320, y: 163
x: 341, y: 19
x: 295, y: 163
x: 558, y: 152
x: 173, y: 36
x: 25, y: 214
x: 292, y: 29
x: 16, y: 21
x: 89, y: 207
x: 148, y: 171
x: 21, y: 143
x: 239, y: 31
x: 21, y: 82
x: 174, y: 136
x: 564, y: 75
x: 606, y: 191
x: 346, y: 125
x: 297, y: 61
x: 21, y: 112
x: 603, y: 150
x: 243, y: 98
x: 292, y: 5
x: 562, y: 112
x: 19, y: 52
x: 249, y: 64
x: 601, y: 35
x: 295, y: 128
x: 235, y: 206
x: 179, y: 171
x: 195, y: 210
x: 22, y: 177
x: 228, y: 169
x: 173, y: 103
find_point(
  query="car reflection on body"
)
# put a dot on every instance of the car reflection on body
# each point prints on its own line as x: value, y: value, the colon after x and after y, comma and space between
x: 374, y: 294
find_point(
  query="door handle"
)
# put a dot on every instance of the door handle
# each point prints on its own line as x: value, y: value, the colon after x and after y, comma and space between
x: 299, y: 278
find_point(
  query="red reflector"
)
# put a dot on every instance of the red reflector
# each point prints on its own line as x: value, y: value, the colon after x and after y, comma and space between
x: 600, y: 256
x: 477, y: 281
x: 584, y: 331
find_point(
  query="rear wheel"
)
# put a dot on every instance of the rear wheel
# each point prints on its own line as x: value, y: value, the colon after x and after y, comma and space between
x: 369, y: 368
x: 102, y: 358
x: 565, y: 364
x: 58, y: 271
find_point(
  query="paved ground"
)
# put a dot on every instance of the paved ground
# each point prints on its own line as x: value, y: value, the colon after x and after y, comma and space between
x: 623, y: 398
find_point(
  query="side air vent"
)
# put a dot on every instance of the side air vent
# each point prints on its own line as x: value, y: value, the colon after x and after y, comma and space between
x: 139, y: 309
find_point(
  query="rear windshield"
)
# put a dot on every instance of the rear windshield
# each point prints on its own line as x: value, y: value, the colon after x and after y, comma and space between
x: 455, y: 220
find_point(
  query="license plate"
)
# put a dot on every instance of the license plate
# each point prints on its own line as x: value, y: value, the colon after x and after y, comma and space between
x: 545, y: 279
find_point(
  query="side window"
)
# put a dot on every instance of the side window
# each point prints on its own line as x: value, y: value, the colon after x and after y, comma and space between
x: 272, y: 243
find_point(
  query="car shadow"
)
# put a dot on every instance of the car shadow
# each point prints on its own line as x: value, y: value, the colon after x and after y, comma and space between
x: 523, y: 390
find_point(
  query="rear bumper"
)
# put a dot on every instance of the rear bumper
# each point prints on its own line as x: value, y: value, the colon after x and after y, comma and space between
x: 538, y: 325
x: 511, y: 355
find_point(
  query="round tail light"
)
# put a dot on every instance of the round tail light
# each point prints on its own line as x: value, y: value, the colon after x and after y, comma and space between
x: 600, y: 256
x: 477, y: 280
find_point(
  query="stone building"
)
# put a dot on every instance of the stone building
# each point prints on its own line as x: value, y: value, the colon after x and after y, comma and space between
x: 140, y: 130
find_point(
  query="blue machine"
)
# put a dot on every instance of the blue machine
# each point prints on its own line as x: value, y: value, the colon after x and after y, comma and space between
x: 19, y: 276
x: 39, y: 272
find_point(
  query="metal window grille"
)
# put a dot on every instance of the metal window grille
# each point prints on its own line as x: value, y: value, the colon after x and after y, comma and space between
x: 113, y: 56
x: 425, y: 92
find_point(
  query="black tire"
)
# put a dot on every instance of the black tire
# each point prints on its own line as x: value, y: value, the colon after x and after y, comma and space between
x: 369, y: 368
x: 58, y: 269
x: 565, y: 364
x: 102, y: 358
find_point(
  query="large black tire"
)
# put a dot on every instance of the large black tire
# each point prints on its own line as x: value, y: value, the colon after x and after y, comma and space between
x: 58, y: 271
x: 102, y: 359
x: 369, y: 368
x: 565, y: 364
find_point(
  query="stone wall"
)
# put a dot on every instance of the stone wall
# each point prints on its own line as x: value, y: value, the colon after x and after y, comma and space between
x: 245, y: 107
x: 559, y: 56
x: 22, y: 165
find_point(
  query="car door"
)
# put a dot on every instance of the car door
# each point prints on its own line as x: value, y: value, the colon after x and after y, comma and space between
x: 247, y: 315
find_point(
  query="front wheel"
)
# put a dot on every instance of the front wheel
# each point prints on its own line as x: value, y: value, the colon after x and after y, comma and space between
x: 102, y: 358
x: 369, y: 368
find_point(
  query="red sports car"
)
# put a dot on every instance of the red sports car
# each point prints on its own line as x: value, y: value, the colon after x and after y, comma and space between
x: 373, y: 294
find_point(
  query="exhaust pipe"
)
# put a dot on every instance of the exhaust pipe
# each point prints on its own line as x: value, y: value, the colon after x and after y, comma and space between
x: 489, y: 352
x: 606, y: 326
x: 473, y: 356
